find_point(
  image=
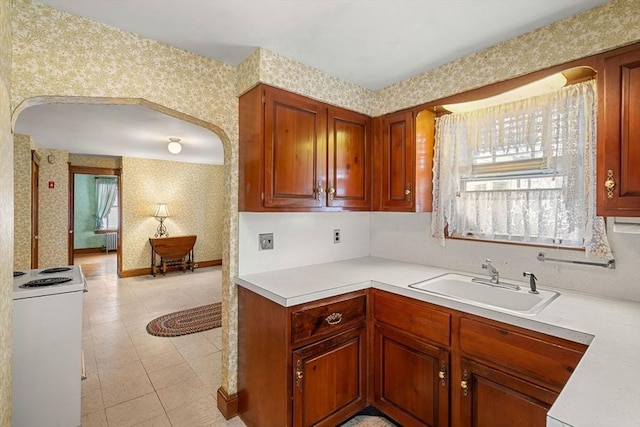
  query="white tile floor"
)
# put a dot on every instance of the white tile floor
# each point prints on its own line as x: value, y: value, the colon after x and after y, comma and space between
x: 136, y: 379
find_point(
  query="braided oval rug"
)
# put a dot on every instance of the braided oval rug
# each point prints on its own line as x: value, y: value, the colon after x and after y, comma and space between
x: 188, y: 321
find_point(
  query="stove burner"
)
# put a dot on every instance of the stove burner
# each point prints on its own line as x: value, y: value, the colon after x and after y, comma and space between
x: 18, y: 274
x: 55, y: 270
x: 49, y: 281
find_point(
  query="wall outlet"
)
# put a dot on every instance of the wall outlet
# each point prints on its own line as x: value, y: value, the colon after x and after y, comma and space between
x: 266, y: 241
x: 336, y: 235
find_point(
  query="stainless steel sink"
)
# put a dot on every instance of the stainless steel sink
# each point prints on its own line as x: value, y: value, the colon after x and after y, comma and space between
x: 508, y: 297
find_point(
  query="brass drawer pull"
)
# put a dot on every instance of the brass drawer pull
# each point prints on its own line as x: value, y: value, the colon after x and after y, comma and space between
x: 334, y: 319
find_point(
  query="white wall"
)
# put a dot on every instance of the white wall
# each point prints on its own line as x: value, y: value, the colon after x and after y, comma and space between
x: 406, y: 237
x: 300, y: 239
x: 306, y: 238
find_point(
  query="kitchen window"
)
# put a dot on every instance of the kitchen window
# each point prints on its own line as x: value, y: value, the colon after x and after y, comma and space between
x: 521, y: 171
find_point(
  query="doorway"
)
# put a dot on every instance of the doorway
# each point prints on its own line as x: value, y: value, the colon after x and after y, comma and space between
x: 92, y: 173
x: 125, y: 128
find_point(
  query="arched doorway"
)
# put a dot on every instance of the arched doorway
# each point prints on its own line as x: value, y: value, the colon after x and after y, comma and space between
x: 229, y: 202
x: 155, y: 124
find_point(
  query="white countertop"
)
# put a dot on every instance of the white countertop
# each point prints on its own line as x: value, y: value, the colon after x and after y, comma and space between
x: 603, y: 391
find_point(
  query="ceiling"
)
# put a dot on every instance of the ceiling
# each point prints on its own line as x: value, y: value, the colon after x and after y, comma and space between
x: 372, y: 43
x: 118, y: 130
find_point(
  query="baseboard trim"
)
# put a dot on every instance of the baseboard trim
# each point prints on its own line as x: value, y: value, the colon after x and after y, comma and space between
x: 212, y: 263
x: 227, y: 405
x: 147, y: 271
x: 136, y: 272
x: 89, y: 251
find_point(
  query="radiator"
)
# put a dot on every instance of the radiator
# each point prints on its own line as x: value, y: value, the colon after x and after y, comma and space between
x: 112, y: 241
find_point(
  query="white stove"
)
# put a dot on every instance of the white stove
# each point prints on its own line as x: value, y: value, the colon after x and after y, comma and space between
x: 47, y: 281
x: 47, y: 347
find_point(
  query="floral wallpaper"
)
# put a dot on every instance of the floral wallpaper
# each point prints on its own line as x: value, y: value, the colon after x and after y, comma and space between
x: 22, y: 202
x: 612, y: 25
x: 58, y: 54
x: 6, y: 214
x: 53, y: 221
x: 95, y: 161
x: 268, y: 67
x: 195, y: 197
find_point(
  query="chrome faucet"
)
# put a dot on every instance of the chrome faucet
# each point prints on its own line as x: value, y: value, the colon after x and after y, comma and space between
x: 495, y: 276
x: 532, y: 282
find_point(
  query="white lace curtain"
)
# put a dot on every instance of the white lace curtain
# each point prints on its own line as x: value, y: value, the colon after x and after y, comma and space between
x: 106, y: 188
x: 558, y: 132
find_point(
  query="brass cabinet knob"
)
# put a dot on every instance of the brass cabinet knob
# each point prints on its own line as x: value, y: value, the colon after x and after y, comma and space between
x: 610, y: 184
x: 331, y: 192
x: 319, y: 190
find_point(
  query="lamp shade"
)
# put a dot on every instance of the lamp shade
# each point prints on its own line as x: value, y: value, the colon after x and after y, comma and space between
x: 162, y: 211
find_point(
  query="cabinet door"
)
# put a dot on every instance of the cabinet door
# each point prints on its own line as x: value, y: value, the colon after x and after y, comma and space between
x: 491, y: 398
x: 295, y: 150
x: 411, y: 379
x: 349, y: 160
x: 397, y: 157
x: 619, y: 151
x: 329, y: 380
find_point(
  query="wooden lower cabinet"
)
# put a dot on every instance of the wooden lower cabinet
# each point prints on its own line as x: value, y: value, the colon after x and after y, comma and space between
x: 329, y: 379
x: 319, y: 363
x: 304, y: 365
x: 437, y: 367
x: 411, y: 379
x: 492, y: 398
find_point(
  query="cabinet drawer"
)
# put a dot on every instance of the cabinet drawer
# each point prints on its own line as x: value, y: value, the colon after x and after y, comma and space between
x: 414, y: 317
x: 328, y: 318
x: 544, y: 359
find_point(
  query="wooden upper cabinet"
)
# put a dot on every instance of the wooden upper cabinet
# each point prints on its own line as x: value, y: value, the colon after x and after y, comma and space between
x: 298, y: 154
x: 404, y: 159
x: 618, y: 183
x: 349, y: 159
x: 295, y: 150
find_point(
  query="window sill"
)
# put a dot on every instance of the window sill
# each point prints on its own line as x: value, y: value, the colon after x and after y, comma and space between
x: 508, y: 242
